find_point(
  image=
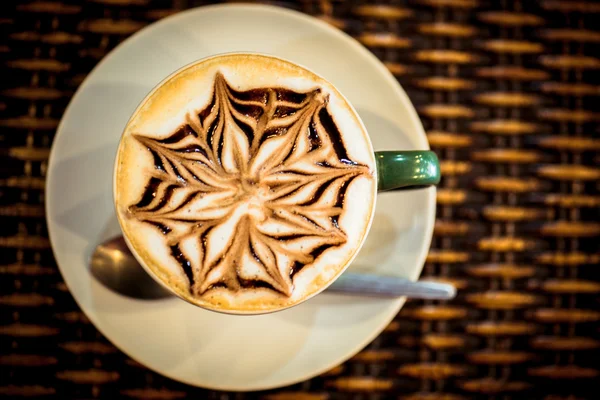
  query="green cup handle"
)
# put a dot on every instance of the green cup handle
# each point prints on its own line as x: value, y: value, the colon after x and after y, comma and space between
x: 406, y: 169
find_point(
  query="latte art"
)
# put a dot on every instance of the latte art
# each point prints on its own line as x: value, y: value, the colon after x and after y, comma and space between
x: 245, y: 183
x: 249, y: 190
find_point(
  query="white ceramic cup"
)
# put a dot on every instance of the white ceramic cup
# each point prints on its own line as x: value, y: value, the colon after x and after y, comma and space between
x: 393, y: 170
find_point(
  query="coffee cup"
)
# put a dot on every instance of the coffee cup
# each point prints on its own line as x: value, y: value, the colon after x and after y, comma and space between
x: 246, y: 184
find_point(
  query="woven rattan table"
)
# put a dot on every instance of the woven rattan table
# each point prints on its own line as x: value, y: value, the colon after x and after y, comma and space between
x: 509, y: 94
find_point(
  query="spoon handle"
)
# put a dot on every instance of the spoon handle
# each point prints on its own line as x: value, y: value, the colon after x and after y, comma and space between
x: 389, y: 286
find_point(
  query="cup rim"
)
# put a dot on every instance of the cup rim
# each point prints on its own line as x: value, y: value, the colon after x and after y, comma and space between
x: 153, y: 275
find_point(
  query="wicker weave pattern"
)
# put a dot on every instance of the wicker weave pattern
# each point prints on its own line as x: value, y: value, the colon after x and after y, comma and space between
x: 508, y: 93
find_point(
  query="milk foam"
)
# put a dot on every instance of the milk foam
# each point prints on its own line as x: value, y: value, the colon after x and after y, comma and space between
x: 239, y: 224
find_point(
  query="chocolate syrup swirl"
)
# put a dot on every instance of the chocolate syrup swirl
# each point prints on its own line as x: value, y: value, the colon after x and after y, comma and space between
x: 256, y: 177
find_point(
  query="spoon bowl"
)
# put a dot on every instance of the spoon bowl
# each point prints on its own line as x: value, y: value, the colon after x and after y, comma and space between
x: 114, y: 266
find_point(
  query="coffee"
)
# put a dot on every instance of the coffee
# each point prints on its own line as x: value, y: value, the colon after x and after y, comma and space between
x: 245, y: 183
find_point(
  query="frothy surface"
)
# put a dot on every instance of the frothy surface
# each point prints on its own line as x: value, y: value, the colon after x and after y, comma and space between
x: 245, y: 183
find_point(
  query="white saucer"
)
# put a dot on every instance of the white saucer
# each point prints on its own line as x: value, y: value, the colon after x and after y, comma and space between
x: 172, y: 337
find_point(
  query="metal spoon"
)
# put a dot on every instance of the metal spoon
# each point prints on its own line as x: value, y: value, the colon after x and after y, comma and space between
x: 113, y: 264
